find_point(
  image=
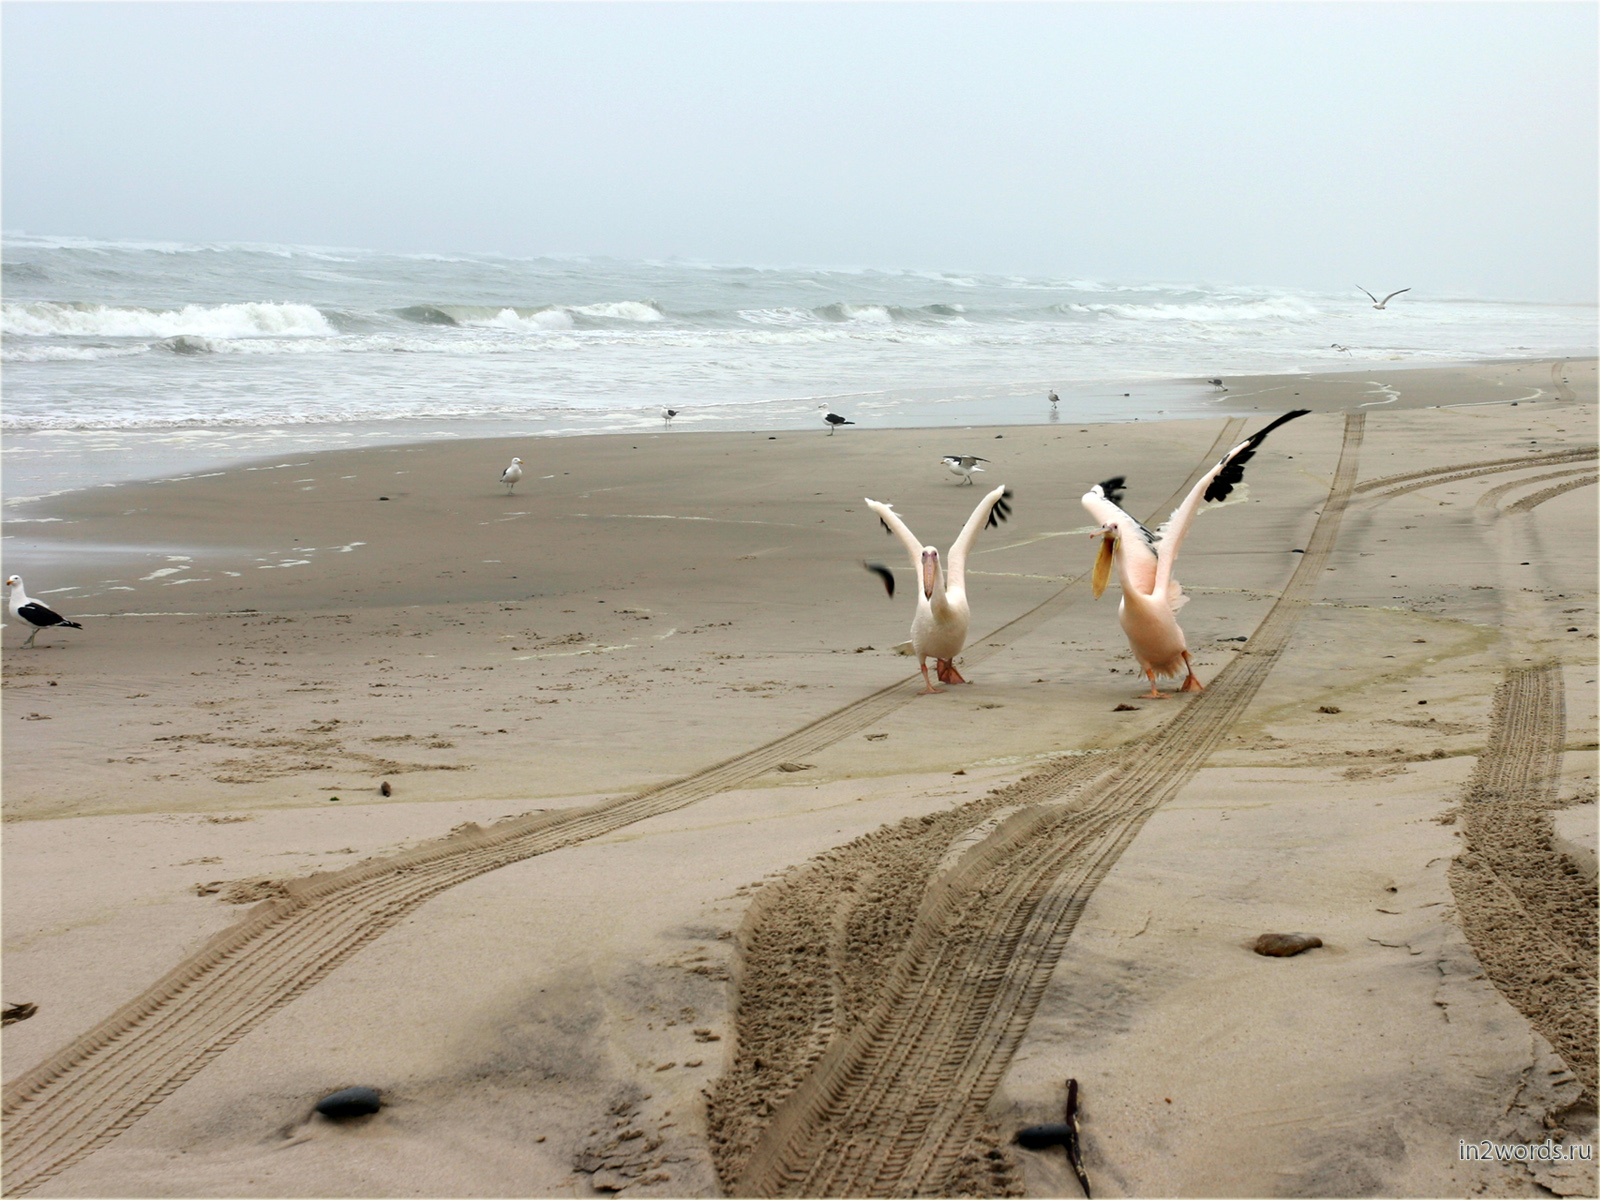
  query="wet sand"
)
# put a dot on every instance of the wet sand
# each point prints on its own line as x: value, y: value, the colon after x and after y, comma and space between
x: 261, y: 641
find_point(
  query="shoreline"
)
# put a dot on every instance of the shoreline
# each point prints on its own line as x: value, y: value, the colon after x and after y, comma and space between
x: 41, y: 464
x: 643, y: 608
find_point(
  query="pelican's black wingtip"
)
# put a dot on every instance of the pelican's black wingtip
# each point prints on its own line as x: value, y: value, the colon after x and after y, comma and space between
x: 1114, y: 488
x: 1233, y: 470
x: 885, y: 525
x: 883, y: 573
x: 1001, y: 510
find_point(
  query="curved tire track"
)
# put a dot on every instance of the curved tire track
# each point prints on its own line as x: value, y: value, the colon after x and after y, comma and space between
x: 98, y: 1085
x: 891, y: 1108
x: 1529, y: 503
x: 1438, y: 475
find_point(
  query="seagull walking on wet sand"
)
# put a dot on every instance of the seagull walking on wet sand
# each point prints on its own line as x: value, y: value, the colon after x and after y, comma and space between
x: 1217, y: 383
x: 1376, y: 303
x: 963, y: 465
x: 1054, y: 399
x: 1144, y: 560
x: 511, y: 475
x: 33, y: 612
x: 667, y: 414
x: 833, y: 419
x: 939, y: 630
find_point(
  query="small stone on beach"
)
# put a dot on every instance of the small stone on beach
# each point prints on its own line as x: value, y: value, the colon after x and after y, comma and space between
x: 350, y: 1102
x: 1126, y: 708
x: 791, y: 767
x: 1282, y: 945
x: 384, y: 789
x: 1329, y: 708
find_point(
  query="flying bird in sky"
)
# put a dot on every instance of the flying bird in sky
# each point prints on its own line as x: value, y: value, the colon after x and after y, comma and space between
x: 1376, y: 303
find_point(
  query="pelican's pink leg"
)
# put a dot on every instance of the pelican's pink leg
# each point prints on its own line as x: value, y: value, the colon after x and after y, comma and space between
x: 928, y: 689
x: 1192, y: 683
x: 1154, y: 693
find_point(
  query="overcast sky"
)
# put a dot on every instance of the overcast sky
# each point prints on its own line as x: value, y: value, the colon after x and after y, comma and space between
x: 1449, y: 147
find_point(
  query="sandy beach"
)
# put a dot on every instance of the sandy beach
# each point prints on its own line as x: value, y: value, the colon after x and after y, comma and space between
x: 600, y: 827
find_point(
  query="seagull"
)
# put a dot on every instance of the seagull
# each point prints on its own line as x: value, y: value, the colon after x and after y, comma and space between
x: 1054, y: 399
x: 1216, y: 383
x: 833, y: 419
x: 939, y: 629
x: 1376, y: 303
x: 1341, y: 349
x: 33, y: 612
x: 963, y: 464
x: 1151, y: 597
x: 511, y: 475
x: 667, y: 414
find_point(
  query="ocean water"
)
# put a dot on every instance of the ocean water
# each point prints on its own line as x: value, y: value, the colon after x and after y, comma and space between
x: 125, y: 359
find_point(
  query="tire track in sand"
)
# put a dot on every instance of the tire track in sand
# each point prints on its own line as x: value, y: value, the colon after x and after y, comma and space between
x: 1435, y: 476
x: 894, y: 1106
x: 97, y: 1086
x: 1527, y: 912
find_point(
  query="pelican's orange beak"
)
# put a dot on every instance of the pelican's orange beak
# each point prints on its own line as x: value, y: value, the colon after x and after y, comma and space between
x: 930, y: 572
x: 1102, y: 563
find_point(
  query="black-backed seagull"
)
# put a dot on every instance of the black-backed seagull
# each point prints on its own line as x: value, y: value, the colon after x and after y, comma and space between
x: 939, y: 630
x: 511, y: 475
x: 1144, y: 559
x: 667, y: 414
x: 833, y: 419
x: 33, y: 612
x: 963, y: 464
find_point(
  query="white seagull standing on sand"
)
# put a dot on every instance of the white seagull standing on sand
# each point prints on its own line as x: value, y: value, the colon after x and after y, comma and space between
x: 667, y: 414
x: 511, y: 475
x: 963, y: 464
x: 1151, y: 597
x: 833, y: 419
x: 33, y: 612
x: 1376, y: 303
x: 939, y: 630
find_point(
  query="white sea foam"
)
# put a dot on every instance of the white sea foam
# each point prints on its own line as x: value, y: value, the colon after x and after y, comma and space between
x: 58, y: 353
x: 45, y: 318
x: 1278, y: 309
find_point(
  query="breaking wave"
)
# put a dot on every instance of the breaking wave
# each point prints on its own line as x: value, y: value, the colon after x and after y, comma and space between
x: 49, y: 318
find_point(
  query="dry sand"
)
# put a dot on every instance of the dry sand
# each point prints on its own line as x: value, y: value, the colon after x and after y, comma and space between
x: 685, y: 994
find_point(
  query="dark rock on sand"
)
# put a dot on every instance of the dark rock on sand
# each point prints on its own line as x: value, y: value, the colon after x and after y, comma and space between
x: 1281, y: 945
x: 351, y: 1102
x: 1042, y: 1137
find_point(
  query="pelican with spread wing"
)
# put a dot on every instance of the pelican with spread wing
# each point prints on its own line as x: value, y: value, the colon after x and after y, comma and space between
x: 1144, y: 559
x: 939, y: 630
